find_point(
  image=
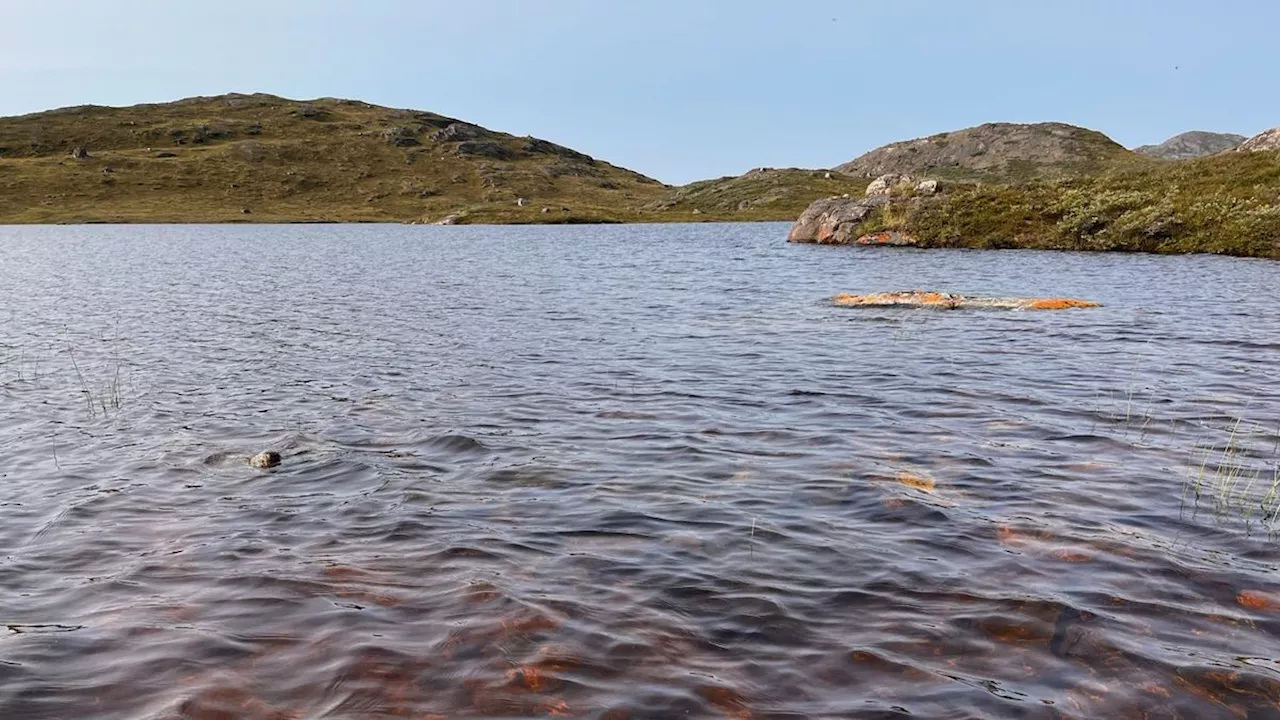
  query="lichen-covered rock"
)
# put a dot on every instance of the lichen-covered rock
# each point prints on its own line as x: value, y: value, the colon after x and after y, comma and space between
x: 885, y: 184
x: 265, y: 459
x: 951, y: 301
x: 834, y: 220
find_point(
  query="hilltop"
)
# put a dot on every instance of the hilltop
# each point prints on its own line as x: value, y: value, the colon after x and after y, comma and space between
x: 1191, y: 145
x: 995, y: 152
x: 264, y: 158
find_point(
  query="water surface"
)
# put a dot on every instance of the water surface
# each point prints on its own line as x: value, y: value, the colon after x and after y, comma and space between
x: 628, y: 472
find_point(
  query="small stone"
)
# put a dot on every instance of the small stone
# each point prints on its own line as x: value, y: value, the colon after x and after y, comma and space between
x: 265, y: 459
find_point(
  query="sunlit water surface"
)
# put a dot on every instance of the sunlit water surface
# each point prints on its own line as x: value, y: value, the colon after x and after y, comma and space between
x: 628, y: 472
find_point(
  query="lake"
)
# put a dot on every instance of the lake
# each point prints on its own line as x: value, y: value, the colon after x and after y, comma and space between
x: 629, y: 472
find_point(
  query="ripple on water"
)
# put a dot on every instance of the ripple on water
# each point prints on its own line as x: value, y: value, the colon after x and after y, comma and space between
x: 603, y: 493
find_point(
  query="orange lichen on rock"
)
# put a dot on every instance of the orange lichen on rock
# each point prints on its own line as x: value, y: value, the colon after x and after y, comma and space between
x: 1259, y: 600
x: 925, y: 298
x: 1059, y: 304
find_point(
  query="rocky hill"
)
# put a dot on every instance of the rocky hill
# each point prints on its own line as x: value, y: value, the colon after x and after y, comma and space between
x: 1227, y: 203
x: 1266, y: 140
x: 995, y: 152
x: 1190, y: 145
x: 262, y: 158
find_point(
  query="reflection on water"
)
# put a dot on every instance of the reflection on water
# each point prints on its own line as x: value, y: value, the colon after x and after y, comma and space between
x: 630, y: 472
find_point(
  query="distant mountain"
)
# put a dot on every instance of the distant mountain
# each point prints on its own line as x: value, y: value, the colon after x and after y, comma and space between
x: 264, y: 158
x: 1190, y: 145
x: 1266, y: 140
x: 998, y: 152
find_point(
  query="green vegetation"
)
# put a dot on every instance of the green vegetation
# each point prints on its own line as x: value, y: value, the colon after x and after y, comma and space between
x: 763, y: 194
x: 260, y: 158
x: 1228, y: 204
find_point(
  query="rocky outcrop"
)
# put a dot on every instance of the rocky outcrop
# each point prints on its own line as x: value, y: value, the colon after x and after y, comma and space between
x: 835, y: 220
x: 400, y: 137
x: 1191, y: 145
x: 951, y: 301
x: 458, y: 132
x: 1267, y: 140
x: 992, y: 151
x: 885, y: 184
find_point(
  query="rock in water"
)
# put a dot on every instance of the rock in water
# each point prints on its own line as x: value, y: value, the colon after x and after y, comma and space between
x: 834, y: 220
x: 265, y: 459
x: 951, y: 301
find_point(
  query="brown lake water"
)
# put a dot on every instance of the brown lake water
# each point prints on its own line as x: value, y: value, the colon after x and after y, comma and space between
x: 626, y: 473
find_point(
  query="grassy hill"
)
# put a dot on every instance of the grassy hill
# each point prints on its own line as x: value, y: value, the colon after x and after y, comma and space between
x: 762, y: 194
x: 262, y: 158
x: 1227, y: 203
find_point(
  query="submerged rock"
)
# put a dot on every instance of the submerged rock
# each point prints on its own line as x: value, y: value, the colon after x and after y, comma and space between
x: 951, y: 301
x: 265, y: 459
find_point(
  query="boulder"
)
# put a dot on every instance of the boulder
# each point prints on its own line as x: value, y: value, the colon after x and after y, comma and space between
x: 884, y: 184
x: 927, y: 187
x: 265, y: 459
x: 834, y: 220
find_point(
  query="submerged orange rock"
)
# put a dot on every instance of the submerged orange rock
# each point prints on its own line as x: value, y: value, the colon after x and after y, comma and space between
x: 1259, y: 600
x: 919, y: 481
x: 951, y: 301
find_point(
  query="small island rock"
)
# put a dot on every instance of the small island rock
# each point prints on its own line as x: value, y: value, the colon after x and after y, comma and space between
x: 265, y: 459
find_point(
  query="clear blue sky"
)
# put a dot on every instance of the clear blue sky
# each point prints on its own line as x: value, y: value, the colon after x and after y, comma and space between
x: 677, y: 89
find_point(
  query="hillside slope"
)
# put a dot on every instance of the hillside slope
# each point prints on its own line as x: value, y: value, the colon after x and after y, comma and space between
x: 1191, y: 145
x: 761, y: 194
x: 263, y: 158
x: 996, y: 152
x: 1228, y: 203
